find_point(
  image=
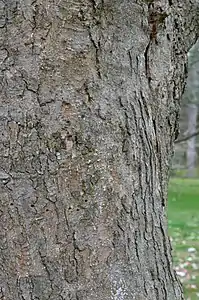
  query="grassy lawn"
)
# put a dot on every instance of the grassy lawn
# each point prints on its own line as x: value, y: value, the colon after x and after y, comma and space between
x: 183, y: 213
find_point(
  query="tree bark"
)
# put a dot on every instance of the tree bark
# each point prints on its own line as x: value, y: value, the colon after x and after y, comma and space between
x: 90, y: 94
x: 192, y: 113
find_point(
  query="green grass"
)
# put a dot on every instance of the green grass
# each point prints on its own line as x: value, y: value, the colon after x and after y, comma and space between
x: 183, y: 213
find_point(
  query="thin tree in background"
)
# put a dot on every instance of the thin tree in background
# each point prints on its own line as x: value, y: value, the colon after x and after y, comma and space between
x: 192, y: 95
x: 192, y: 113
x: 186, y: 153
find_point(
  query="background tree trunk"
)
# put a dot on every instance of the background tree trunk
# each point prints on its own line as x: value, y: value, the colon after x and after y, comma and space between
x: 89, y: 99
x: 192, y: 113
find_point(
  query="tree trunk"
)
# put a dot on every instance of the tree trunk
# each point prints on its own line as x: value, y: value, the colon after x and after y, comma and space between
x: 89, y: 103
x: 192, y: 113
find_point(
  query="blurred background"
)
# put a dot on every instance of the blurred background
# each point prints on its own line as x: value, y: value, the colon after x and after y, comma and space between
x: 183, y: 207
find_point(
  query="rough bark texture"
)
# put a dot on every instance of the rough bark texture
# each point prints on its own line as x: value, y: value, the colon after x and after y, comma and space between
x: 90, y: 96
x: 192, y: 113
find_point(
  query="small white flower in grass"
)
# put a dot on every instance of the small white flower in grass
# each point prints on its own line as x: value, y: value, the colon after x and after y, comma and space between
x: 181, y: 273
x: 191, y: 249
x: 193, y: 286
x: 189, y: 258
x: 195, y: 266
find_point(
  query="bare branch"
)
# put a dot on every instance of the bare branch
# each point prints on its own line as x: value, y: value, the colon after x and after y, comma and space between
x: 186, y: 138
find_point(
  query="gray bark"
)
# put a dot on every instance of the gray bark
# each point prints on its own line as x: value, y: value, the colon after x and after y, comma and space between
x: 192, y: 113
x: 90, y: 94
